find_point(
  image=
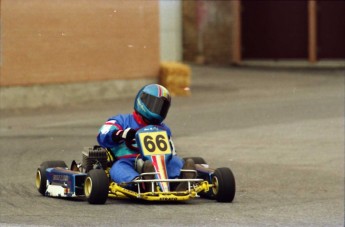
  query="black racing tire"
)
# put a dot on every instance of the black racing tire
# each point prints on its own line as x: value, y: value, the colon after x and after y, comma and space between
x: 96, y: 186
x: 224, y: 185
x: 41, y: 177
x: 197, y: 160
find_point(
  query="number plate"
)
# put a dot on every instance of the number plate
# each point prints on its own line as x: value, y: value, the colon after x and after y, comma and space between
x: 154, y: 143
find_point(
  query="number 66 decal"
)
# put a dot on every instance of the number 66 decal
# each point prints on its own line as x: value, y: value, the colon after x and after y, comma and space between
x: 154, y: 143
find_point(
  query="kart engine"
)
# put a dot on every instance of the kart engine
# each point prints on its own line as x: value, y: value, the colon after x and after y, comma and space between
x: 94, y: 157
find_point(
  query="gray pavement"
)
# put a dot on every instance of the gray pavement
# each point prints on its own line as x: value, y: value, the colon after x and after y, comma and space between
x: 281, y: 131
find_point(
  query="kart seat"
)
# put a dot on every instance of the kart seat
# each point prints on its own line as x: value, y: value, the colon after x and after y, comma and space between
x: 110, y: 157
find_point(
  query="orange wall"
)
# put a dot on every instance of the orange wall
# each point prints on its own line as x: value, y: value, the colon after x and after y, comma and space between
x: 63, y: 41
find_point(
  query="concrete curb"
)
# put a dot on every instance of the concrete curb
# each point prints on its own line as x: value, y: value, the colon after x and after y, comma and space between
x: 62, y: 94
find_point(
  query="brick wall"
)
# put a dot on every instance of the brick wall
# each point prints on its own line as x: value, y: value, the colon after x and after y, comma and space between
x: 45, y: 42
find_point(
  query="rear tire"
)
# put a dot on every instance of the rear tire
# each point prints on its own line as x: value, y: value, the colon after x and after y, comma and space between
x: 41, y: 177
x: 224, y: 186
x: 96, y: 186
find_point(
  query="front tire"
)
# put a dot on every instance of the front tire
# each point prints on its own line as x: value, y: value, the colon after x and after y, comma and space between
x: 96, y: 186
x: 224, y: 186
x: 41, y: 177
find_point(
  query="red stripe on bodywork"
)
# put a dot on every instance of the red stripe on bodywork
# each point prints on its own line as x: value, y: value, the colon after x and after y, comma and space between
x: 127, y: 156
x: 154, y: 162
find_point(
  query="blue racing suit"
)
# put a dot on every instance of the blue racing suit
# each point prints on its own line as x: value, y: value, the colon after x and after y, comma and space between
x: 123, y: 170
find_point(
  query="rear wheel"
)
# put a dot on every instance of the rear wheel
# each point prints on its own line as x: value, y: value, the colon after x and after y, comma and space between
x: 224, y: 186
x: 96, y: 186
x: 41, y: 177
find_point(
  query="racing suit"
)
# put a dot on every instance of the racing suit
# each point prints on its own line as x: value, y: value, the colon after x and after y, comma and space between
x: 123, y: 170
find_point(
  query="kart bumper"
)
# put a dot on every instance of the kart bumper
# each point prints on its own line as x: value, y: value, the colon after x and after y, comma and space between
x: 194, y: 187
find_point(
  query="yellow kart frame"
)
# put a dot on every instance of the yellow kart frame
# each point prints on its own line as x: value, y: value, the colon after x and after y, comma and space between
x: 117, y: 191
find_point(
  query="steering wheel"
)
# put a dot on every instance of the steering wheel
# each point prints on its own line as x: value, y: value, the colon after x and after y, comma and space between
x: 130, y: 145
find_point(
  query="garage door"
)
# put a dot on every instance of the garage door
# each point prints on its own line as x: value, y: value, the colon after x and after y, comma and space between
x: 331, y: 29
x: 274, y: 29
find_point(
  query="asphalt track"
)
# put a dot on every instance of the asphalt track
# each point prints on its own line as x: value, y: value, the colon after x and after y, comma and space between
x: 281, y: 131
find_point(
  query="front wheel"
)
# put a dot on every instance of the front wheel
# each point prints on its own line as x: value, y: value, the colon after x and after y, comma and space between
x: 41, y: 178
x: 224, y: 186
x: 96, y: 186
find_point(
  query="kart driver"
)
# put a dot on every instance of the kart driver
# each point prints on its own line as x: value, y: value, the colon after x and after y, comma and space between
x: 151, y: 107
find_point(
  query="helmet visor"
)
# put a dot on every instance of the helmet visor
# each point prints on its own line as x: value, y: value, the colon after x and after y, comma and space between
x: 157, y: 105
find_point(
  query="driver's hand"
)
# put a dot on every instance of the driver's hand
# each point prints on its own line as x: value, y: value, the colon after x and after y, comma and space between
x: 128, y: 134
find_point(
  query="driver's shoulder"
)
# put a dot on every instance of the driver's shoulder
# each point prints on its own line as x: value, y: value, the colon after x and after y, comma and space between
x: 166, y: 128
x: 121, y: 118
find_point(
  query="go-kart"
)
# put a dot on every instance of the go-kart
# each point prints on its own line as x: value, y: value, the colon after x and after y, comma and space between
x: 91, y: 178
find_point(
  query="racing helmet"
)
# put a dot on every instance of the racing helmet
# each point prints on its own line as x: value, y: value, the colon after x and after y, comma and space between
x: 152, y: 103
